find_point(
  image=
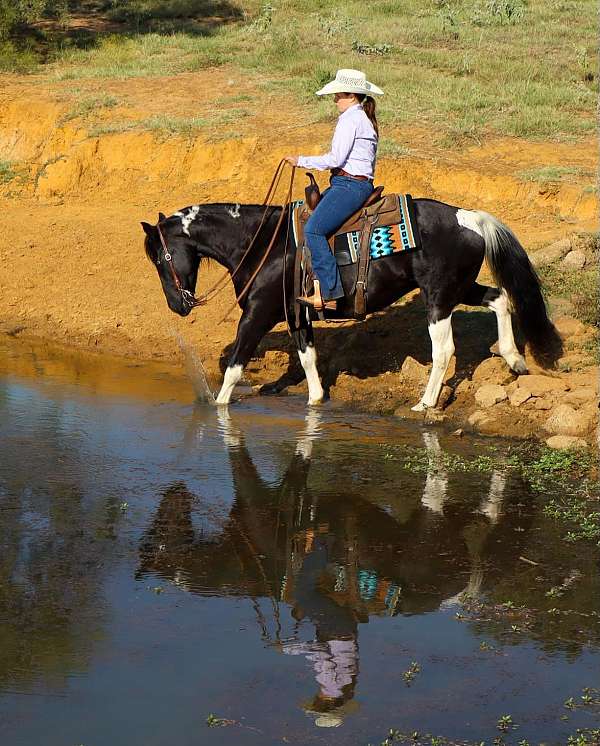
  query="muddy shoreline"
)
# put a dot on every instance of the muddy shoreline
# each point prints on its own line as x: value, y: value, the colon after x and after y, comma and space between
x: 386, y: 382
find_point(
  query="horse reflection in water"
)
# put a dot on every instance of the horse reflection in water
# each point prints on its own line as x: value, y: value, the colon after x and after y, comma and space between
x: 333, y: 559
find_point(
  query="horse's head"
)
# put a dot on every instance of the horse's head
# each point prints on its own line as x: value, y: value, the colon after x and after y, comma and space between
x: 176, y: 257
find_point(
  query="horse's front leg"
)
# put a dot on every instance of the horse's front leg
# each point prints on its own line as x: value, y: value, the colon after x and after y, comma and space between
x: 442, y: 349
x: 305, y: 344
x: 251, y: 329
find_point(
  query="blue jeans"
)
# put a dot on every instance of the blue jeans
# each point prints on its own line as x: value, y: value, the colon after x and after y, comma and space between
x: 343, y: 198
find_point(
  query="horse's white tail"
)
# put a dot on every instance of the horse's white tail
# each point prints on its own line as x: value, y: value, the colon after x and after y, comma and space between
x: 513, y: 272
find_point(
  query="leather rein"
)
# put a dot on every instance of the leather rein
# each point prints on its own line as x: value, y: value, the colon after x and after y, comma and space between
x: 188, y: 296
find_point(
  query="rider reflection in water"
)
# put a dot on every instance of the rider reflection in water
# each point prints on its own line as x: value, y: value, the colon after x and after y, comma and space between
x: 351, y: 162
x: 334, y: 650
x: 333, y: 558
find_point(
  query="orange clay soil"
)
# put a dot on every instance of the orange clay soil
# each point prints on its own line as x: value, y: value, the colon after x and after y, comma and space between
x: 72, y: 265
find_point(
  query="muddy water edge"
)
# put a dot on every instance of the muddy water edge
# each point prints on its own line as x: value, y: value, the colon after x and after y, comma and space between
x: 176, y: 573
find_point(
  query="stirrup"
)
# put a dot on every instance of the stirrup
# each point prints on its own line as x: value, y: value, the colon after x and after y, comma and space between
x: 316, y: 300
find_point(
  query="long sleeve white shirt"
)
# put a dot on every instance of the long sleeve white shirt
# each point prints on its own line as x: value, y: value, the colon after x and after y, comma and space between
x: 353, y: 148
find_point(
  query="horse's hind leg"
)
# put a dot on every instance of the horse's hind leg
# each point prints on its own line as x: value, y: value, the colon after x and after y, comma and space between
x: 304, y: 340
x: 442, y: 349
x: 497, y: 300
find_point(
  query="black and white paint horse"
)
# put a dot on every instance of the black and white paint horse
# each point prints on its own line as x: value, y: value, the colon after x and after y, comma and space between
x: 455, y: 243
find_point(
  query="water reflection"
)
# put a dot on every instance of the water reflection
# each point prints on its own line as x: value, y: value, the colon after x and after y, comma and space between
x: 318, y: 562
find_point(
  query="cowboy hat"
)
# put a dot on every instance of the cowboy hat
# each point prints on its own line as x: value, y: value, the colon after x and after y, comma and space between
x: 350, y: 81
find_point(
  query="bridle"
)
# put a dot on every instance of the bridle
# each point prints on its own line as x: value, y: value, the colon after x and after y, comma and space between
x: 188, y: 297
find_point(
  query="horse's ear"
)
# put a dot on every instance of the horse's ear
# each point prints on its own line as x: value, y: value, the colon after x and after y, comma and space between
x: 161, y: 216
x: 149, y: 230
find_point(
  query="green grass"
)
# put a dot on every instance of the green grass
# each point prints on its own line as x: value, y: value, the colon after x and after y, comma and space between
x: 391, y: 149
x: 88, y: 106
x: 8, y: 172
x: 462, y: 67
x: 549, y: 174
x: 184, y: 126
x: 580, y: 286
x: 147, y: 55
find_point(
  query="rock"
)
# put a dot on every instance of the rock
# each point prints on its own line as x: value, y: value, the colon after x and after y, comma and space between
x: 412, y: 370
x: 478, y: 417
x: 465, y: 387
x: 551, y: 253
x: 543, y: 404
x: 575, y: 259
x: 459, y: 432
x: 580, y: 395
x: 564, y: 420
x: 444, y: 397
x: 566, y: 441
x: 537, y: 385
x: 490, y: 394
x: 519, y: 396
x: 512, y: 387
x: 567, y: 326
x: 434, y: 415
x: 493, y: 370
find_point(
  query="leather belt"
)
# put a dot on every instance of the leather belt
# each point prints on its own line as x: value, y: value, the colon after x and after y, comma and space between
x: 341, y: 172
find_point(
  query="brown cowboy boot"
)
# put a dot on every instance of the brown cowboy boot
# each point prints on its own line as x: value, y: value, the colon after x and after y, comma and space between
x: 316, y: 300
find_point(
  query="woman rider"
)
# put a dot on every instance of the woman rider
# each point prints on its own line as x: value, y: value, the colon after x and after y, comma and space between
x: 352, y: 164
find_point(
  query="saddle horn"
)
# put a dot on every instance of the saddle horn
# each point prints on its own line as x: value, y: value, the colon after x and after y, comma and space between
x: 312, y: 193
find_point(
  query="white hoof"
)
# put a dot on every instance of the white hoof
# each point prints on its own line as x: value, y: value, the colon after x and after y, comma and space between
x: 315, y: 402
x: 420, y: 407
x: 517, y: 364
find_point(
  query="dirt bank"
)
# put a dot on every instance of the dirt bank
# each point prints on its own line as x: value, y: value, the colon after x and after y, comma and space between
x: 73, y: 270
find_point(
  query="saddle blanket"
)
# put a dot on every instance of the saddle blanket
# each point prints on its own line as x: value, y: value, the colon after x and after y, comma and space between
x: 385, y: 240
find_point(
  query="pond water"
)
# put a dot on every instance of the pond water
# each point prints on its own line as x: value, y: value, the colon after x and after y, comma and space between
x: 280, y: 573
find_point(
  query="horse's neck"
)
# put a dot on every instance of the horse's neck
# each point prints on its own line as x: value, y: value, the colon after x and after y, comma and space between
x: 231, y: 245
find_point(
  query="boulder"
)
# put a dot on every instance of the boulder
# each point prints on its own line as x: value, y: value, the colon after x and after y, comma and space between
x: 490, y: 394
x: 493, y: 370
x: 519, y: 396
x: 566, y: 441
x: 444, y: 397
x: 551, y: 253
x: 478, y: 417
x: 538, y: 385
x: 569, y: 327
x: 564, y: 420
x: 465, y: 387
x: 413, y: 371
x: 580, y: 395
x: 575, y: 259
x: 543, y: 404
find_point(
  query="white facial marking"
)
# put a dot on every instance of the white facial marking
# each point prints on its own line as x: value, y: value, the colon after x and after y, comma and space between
x: 469, y: 219
x: 308, y: 358
x: 188, y: 217
x: 234, y: 211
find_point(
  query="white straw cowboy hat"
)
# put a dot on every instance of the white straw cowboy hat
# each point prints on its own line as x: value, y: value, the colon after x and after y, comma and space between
x: 350, y: 81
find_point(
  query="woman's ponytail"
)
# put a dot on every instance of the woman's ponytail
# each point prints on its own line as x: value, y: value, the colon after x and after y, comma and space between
x: 368, y: 105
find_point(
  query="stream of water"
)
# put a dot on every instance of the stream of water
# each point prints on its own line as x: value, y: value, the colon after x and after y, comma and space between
x: 274, y: 571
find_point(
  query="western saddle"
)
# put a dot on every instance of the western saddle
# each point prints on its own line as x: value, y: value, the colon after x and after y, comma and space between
x: 378, y: 210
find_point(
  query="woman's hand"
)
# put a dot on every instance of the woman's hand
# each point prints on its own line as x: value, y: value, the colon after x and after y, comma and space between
x: 291, y: 159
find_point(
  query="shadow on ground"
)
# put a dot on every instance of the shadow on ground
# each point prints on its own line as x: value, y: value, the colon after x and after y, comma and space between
x: 380, y: 344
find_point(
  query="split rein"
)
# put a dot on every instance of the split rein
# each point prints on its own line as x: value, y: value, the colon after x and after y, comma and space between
x: 188, y: 297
